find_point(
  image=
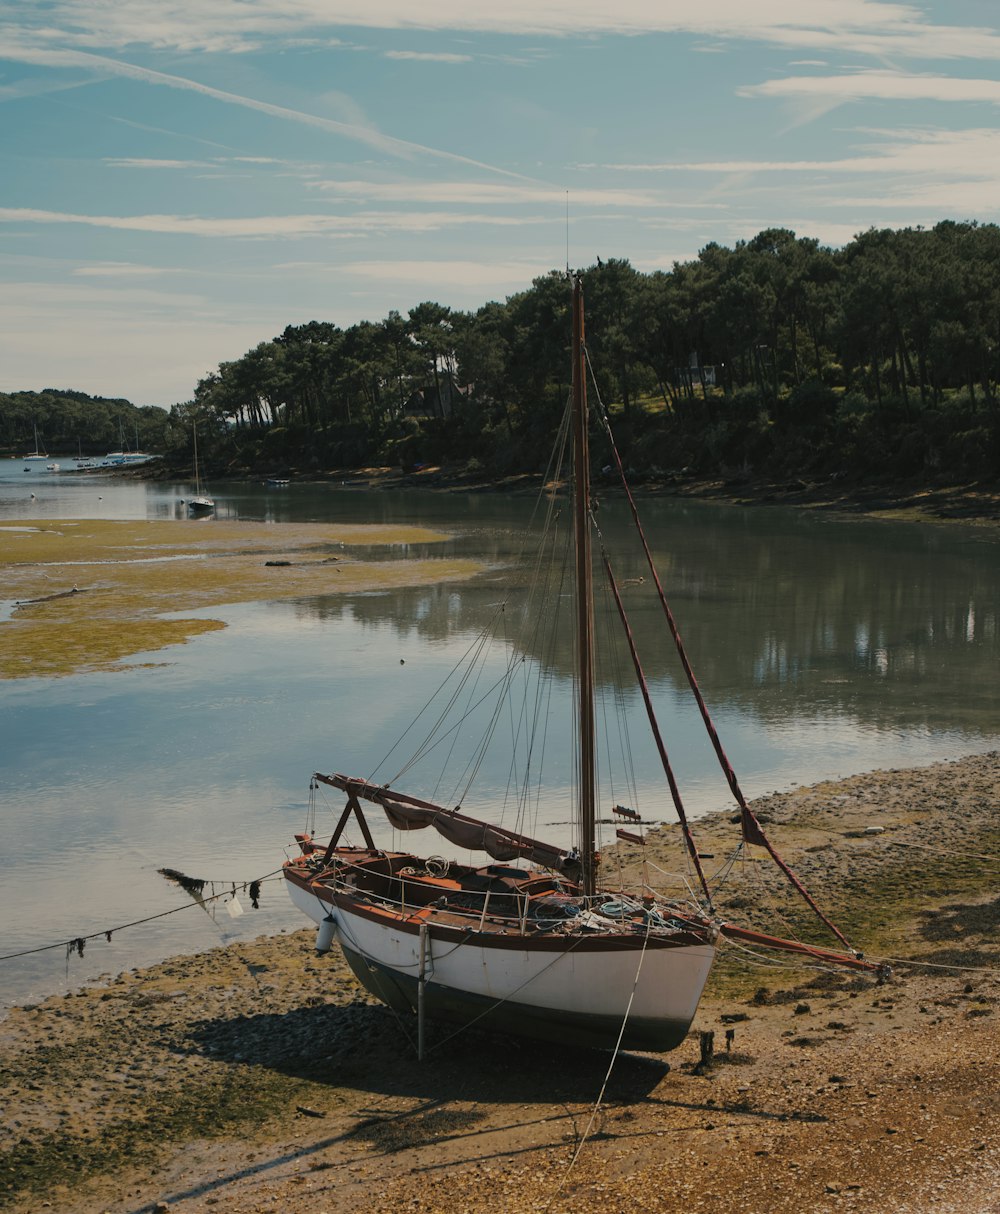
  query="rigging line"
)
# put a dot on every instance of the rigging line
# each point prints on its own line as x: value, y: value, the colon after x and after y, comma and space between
x: 480, y: 639
x: 718, y: 878
x: 487, y: 635
x: 530, y: 792
x: 514, y: 658
x: 544, y: 690
x: 472, y: 683
x: 515, y: 665
x: 311, y: 810
x: 466, y: 667
x: 668, y: 770
x: 548, y: 578
x: 540, y: 639
x: 518, y: 724
x: 617, y: 713
x: 766, y: 898
x: 940, y: 851
x: 936, y: 965
x: 695, y: 906
x: 752, y: 830
x: 523, y: 731
x: 430, y: 746
x: 107, y: 932
x: 604, y: 1086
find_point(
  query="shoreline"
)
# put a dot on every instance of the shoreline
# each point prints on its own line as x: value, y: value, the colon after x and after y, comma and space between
x: 920, y: 500
x: 257, y: 1076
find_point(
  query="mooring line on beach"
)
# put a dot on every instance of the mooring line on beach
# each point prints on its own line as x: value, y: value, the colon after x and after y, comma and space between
x: 943, y: 851
x: 77, y: 943
x: 937, y: 965
x: 604, y: 1086
x: 879, y: 833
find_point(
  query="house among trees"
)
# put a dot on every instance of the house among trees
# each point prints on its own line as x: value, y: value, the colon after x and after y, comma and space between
x: 442, y: 400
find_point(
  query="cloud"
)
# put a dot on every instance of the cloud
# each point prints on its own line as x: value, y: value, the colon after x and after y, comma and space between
x: 145, y: 162
x: 966, y: 199
x: 122, y: 269
x: 456, y: 273
x: 488, y: 193
x: 891, y: 86
x: 967, y: 153
x: 429, y: 56
x: 23, y: 89
x: 879, y: 28
x: 268, y: 226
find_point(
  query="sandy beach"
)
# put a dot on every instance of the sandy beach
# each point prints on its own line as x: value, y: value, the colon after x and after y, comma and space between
x: 260, y: 1077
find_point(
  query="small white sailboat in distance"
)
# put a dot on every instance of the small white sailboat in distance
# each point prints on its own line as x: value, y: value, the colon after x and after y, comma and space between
x: 38, y: 453
x: 201, y: 503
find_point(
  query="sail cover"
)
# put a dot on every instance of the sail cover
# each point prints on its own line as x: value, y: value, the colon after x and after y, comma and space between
x: 410, y: 813
x: 472, y: 835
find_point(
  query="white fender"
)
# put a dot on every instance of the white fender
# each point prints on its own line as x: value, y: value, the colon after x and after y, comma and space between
x: 325, y: 933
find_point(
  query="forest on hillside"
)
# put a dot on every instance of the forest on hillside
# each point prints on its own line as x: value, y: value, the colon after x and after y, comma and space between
x: 779, y: 357
x: 67, y: 422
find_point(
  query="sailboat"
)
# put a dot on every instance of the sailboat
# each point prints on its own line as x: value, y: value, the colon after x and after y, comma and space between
x: 38, y: 453
x: 532, y: 938
x: 201, y: 503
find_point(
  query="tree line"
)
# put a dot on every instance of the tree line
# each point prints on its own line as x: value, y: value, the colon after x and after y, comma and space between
x: 67, y: 422
x: 778, y: 357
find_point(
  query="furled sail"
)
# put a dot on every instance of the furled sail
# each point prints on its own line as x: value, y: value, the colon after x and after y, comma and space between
x: 409, y: 813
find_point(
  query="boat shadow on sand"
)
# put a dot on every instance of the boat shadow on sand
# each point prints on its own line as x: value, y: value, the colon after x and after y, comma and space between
x: 361, y: 1047
x: 365, y: 1047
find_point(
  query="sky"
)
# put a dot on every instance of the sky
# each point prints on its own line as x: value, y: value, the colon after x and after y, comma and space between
x: 182, y: 179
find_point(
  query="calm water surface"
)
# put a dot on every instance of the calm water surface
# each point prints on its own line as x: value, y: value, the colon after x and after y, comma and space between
x: 824, y: 645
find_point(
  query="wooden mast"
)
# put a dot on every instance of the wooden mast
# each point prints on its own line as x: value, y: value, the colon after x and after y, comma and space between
x: 584, y: 599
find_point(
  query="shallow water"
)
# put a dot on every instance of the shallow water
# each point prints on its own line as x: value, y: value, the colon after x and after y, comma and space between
x: 824, y: 645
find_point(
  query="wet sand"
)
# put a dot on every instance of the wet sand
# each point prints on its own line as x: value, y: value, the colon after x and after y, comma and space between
x: 260, y: 1077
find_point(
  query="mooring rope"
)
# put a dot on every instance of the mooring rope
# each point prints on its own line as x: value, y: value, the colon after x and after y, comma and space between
x: 604, y: 1086
x: 77, y: 943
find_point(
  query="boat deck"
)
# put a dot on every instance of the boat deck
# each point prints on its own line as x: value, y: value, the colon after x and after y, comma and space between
x: 496, y: 899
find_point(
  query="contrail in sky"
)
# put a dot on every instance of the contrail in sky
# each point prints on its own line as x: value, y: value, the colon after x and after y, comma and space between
x: 385, y: 143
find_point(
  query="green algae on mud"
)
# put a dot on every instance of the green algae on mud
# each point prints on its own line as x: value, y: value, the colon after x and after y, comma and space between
x: 85, y: 595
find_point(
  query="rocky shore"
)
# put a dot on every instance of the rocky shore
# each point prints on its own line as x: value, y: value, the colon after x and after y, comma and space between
x: 260, y: 1077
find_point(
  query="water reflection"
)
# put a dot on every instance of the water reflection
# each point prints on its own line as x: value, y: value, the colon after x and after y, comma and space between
x: 782, y: 614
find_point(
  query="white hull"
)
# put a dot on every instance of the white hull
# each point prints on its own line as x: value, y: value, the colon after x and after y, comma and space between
x: 576, y: 990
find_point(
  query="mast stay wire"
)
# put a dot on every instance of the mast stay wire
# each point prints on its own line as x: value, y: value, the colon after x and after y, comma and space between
x: 752, y: 830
